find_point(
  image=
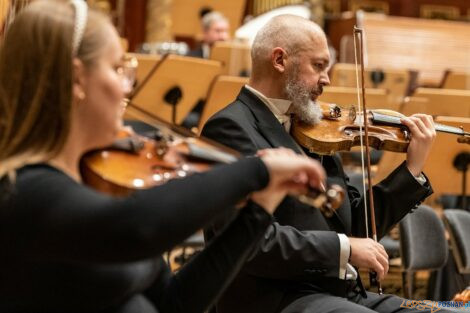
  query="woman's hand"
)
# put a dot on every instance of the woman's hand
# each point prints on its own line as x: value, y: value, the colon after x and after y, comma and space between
x: 289, y: 173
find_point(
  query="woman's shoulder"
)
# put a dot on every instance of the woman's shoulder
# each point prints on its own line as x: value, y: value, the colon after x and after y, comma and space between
x: 40, y: 173
x: 35, y: 179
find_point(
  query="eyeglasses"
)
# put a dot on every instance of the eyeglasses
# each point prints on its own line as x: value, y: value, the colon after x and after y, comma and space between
x: 128, y: 73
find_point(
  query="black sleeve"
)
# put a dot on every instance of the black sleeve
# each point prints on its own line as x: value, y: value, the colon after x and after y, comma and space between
x: 284, y: 252
x: 53, y: 217
x: 216, y: 266
x: 290, y: 254
x: 394, y: 197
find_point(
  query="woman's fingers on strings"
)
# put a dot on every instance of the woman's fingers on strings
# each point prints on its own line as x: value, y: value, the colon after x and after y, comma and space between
x: 315, y: 172
x: 294, y: 166
x: 307, y: 172
x: 275, y: 151
x: 295, y: 188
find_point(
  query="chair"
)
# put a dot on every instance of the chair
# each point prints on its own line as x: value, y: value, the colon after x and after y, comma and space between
x: 182, y: 256
x: 423, y: 245
x: 457, y: 223
x: 434, y: 101
x: 457, y: 80
x: 347, y: 96
x: 396, y: 82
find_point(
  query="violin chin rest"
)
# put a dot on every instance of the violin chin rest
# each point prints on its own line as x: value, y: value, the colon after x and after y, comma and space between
x: 389, y: 112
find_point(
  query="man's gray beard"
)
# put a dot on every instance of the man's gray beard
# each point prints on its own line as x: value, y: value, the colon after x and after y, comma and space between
x: 303, y: 108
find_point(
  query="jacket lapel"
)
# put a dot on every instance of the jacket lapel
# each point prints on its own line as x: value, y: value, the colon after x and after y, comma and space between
x: 267, y: 124
x: 270, y: 128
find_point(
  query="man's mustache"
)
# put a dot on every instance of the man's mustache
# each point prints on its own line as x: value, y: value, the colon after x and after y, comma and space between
x: 317, y: 92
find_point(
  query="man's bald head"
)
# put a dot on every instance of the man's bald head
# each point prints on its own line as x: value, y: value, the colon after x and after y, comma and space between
x: 290, y: 61
x: 290, y: 32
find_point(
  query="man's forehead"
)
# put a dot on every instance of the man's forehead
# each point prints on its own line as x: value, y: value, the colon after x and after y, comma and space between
x: 219, y: 24
x: 316, y: 47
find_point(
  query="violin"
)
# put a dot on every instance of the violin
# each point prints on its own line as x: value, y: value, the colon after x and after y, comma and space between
x: 137, y: 162
x: 340, y: 130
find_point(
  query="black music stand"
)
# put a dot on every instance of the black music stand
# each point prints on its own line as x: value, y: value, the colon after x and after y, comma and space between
x: 174, y: 86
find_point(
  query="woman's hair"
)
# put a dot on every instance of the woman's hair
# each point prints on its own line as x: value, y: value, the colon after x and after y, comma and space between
x: 36, y: 80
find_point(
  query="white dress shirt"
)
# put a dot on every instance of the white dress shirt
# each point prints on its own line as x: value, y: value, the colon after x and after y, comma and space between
x: 279, y: 107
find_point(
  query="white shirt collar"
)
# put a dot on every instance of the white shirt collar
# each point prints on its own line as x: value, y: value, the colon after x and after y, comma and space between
x: 206, y: 51
x: 278, y: 107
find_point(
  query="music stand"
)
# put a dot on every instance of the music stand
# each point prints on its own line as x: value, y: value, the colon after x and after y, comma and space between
x: 145, y: 64
x: 377, y: 98
x: 174, y: 86
x: 223, y: 91
x: 234, y: 56
x: 186, y: 20
x: 444, y: 177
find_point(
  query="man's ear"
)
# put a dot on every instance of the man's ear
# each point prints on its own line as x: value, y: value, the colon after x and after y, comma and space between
x: 278, y: 59
x: 78, y: 79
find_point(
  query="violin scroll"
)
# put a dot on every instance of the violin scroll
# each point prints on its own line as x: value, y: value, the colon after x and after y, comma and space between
x: 327, y: 201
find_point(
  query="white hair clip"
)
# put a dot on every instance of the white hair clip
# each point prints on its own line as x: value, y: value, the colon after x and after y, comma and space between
x: 81, y: 11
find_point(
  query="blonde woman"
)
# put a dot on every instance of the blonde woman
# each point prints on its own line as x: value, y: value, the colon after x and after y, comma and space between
x: 68, y: 248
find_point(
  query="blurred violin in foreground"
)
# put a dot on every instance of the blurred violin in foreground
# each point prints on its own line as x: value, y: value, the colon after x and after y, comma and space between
x: 136, y: 162
x: 340, y: 131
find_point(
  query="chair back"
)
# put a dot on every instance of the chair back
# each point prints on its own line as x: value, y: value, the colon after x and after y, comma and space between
x: 423, y: 245
x: 458, y: 224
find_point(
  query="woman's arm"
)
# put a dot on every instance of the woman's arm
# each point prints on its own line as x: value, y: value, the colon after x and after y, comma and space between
x: 198, y: 284
x: 62, y: 220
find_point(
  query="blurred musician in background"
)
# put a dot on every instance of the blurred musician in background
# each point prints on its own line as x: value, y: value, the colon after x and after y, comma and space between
x: 69, y: 248
x: 215, y: 27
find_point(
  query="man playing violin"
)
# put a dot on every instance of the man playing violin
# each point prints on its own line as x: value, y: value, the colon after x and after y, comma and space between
x: 307, y: 262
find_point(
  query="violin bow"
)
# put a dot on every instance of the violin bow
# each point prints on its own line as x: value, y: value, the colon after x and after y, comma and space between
x: 358, y: 33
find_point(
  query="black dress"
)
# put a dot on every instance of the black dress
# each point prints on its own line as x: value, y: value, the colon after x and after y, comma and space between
x: 68, y: 248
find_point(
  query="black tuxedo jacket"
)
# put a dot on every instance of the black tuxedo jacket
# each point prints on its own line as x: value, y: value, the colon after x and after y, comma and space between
x: 300, y: 252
